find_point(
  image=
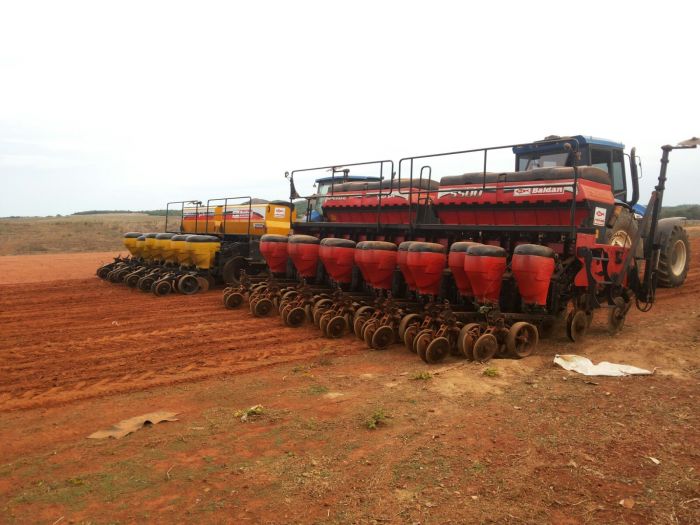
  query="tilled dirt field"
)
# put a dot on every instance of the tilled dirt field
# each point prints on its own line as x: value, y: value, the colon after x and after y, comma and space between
x: 506, y: 442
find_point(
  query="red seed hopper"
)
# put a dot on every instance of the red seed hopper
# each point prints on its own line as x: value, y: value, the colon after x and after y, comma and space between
x: 303, y: 251
x: 338, y: 258
x: 273, y: 248
x: 377, y: 262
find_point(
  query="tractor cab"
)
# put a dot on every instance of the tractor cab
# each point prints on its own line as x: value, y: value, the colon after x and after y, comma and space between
x: 323, y: 187
x: 604, y: 154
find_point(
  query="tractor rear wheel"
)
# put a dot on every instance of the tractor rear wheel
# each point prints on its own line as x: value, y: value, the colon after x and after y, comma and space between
x: 623, y: 232
x: 674, y: 260
x: 231, y: 272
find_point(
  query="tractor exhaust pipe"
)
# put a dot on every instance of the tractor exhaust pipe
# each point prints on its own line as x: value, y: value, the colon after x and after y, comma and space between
x: 653, y: 248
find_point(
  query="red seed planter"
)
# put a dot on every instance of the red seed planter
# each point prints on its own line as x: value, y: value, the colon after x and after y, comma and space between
x: 274, y: 250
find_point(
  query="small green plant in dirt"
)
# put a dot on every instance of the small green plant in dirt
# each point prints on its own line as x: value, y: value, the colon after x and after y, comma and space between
x: 247, y: 413
x: 422, y: 376
x: 490, y: 372
x: 324, y: 361
x: 377, y: 418
x: 317, y: 390
x: 478, y: 467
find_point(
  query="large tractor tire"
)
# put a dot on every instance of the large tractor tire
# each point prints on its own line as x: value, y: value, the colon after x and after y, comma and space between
x: 232, y: 269
x: 623, y: 232
x: 674, y: 261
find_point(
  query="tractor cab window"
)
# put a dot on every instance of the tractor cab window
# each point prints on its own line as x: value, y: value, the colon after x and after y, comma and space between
x: 321, y: 189
x: 612, y: 162
x: 618, y: 175
x: 531, y: 161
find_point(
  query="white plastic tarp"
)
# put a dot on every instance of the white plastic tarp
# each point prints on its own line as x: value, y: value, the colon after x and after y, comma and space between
x: 585, y: 366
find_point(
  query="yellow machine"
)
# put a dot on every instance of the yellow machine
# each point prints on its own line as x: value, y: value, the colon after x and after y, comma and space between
x: 203, y: 250
x: 165, y: 249
x: 131, y: 242
x: 211, y: 244
x: 140, y: 246
x: 255, y: 219
x: 178, y: 244
x: 149, y: 246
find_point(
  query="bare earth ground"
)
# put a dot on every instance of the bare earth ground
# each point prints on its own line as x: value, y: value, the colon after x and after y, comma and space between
x: 534, y: 444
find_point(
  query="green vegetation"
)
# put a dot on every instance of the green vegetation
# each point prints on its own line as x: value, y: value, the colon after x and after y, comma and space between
x: 377, y: 418
x: 317, y: 390
x: 490, y: 372
x: 689, y: 211
x: 422, y: 376
x: 155, y: 213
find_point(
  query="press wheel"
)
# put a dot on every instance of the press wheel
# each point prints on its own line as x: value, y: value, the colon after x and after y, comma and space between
x: 485, y: 348
x: 335, y: 328
x: 233, y: 300
x: 522, y: 339
x: 162, y: 288
x: 358, y: 324
x: 145, y: 283
x: 203, y: 283
x: 188, y: 284
x: 284, y: 312
x: 576, y: 325
x: 363, y: 311
x: 409, y: 336
x: 616, y: 315
x: 324, y: 320
x: 318, y: 313
x: 263, y: 307
x: 421, y: 342
x: 467, y: 337
x: 437, y: 350
x: 405, y: 322
x: 368, y: 331
x: 383, y: 337
x: 296, y: 317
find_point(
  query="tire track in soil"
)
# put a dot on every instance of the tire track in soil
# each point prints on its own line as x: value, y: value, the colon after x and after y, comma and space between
x: 59, y: 343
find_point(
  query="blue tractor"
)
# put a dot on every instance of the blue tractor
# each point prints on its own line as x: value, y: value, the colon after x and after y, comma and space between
x: 670, y: 237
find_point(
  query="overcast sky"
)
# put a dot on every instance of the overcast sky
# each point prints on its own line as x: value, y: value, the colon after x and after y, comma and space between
x: 126, y: 105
